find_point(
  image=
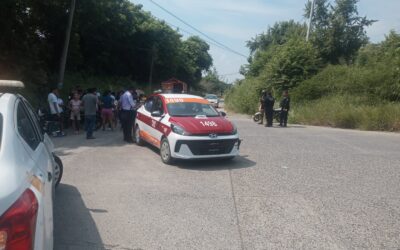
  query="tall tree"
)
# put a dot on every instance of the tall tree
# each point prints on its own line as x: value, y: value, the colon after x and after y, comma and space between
x: 339, y: 31
x: 261, y: 46
x: 195, y: 60
x: 110, y: 38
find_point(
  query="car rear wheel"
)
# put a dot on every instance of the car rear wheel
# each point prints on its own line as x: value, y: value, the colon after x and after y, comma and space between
x: 165, y: 152
x: 139, y: 141
x: 58, y: 170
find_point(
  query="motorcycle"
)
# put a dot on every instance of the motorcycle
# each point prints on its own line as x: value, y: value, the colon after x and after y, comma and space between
x: 276, y: 116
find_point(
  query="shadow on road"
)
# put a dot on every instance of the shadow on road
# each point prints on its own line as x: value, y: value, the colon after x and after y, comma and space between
x: 74, y: 227
x: 238, y: 162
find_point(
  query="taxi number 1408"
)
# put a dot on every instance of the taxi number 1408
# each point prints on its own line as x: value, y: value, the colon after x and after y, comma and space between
x: 208, y: 124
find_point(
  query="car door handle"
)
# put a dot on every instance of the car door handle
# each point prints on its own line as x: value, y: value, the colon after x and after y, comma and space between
x: 49, y: 176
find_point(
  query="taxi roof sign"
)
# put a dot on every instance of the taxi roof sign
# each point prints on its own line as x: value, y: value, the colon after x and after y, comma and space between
x: 11, y: 84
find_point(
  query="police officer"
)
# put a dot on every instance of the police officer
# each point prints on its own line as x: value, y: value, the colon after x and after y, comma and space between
x: 285, y: 107
x: 269, y: 108
x: 262, y: 102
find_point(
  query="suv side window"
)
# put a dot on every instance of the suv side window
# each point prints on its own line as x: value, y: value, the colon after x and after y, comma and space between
x: 34, y: 118
x: 158, y: 106
x: 148, y: 106
x: 26, y: 128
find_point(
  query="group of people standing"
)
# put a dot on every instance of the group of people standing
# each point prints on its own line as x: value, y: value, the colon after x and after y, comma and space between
x: 91, y: 103
x: 267, y: 102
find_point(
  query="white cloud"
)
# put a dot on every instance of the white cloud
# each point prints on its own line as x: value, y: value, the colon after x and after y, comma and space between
x: 227, y: 64
x: 231, y: 31
x: 253, y: 7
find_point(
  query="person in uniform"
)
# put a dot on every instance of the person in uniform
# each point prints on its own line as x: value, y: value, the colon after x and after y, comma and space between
x: 285, y: 107
x: 269, y: 109
x: 261, y: 109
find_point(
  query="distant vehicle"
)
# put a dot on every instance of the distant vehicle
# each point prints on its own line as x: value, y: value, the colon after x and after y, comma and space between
x: 29, y: 172
x: 185, y: 127
x: 213, y: 99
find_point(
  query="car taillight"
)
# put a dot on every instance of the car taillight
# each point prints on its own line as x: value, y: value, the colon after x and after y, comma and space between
x: 18, y: 223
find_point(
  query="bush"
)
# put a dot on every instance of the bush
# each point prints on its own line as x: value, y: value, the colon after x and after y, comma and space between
x: 244, y: 96
x: 375, y: 83
x: 348, y: 112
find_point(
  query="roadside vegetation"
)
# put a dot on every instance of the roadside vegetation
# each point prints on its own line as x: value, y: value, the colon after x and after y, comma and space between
x: 113, y: 44
x: 337, y: 79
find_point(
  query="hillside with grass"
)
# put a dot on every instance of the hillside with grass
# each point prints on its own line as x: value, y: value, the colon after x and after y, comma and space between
x: 338, y: 78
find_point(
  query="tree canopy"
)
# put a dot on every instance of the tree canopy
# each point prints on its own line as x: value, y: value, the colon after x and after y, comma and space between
x: 109, y: 38
x: 338, y: 31
x: 337, y: 60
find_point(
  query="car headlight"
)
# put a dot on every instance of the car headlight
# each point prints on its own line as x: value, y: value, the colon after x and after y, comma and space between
x: 234, y: 130
x: 179, y: 130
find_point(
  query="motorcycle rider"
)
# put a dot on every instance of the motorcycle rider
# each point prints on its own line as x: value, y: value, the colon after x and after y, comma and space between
x: 285, y: 107
x: 269, y: 102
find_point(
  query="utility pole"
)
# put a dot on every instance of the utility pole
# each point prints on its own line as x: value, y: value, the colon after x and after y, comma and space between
x: 310, y: 19
x: 64, y: 55
x: 153, y: 55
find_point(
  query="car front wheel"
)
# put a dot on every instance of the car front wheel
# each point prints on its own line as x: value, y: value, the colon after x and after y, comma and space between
x: 165, y: 152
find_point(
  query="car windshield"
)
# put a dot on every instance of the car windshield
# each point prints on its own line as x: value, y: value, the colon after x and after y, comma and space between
x: 211, y: 97
x: 191, y: 109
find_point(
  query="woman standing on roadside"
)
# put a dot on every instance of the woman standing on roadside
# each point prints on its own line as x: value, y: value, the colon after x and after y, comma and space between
x: 75, y: 107
x: 107, y: 110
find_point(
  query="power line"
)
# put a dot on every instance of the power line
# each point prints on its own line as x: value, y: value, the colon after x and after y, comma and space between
x: 197, y: 30
x: 190, y: 33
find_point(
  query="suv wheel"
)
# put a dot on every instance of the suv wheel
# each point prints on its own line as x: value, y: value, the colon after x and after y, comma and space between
x: 165, y: 152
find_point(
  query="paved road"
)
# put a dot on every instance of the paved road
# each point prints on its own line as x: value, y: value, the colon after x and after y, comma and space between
x: 293, y: 188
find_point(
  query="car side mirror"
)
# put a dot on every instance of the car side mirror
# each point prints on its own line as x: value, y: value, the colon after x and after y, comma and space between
x: 156, y: 113
x: 222, y: 113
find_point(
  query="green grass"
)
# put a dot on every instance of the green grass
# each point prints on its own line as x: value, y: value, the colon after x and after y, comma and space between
x: 348, y: 112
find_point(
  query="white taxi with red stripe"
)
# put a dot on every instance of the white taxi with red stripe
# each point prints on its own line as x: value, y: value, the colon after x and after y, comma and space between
x: 185, y: 127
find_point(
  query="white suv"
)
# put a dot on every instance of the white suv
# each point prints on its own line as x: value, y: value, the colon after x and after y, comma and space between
x: 29, y: 171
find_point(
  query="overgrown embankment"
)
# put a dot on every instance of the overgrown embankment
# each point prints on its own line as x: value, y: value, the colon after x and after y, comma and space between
x: 336, y: 79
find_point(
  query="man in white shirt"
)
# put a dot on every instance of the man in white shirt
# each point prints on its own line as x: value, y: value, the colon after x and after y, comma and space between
x: 55, y: 110
x: 128, y: 113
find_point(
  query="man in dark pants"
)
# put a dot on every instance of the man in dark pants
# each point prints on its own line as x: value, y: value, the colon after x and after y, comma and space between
x: 269, y: 102
x: 128, y: 113
x: 262, y: 102
x: 285, y: 107
x: 90, y: 103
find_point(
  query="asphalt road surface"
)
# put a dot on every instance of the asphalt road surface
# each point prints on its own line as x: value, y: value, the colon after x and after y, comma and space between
x: 291, y: 188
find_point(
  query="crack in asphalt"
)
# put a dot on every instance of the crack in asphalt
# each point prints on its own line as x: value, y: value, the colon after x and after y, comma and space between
x: 236, y: 210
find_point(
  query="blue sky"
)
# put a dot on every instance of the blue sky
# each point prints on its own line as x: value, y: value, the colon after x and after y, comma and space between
x: 233, y: 22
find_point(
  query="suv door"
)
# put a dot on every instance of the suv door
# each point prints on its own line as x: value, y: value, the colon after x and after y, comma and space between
x: 32, y: 141
x: 145, y: 118
x: 156, y: 131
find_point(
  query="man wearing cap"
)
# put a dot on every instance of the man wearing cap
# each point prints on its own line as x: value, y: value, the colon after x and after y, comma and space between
x: 269, y: 102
